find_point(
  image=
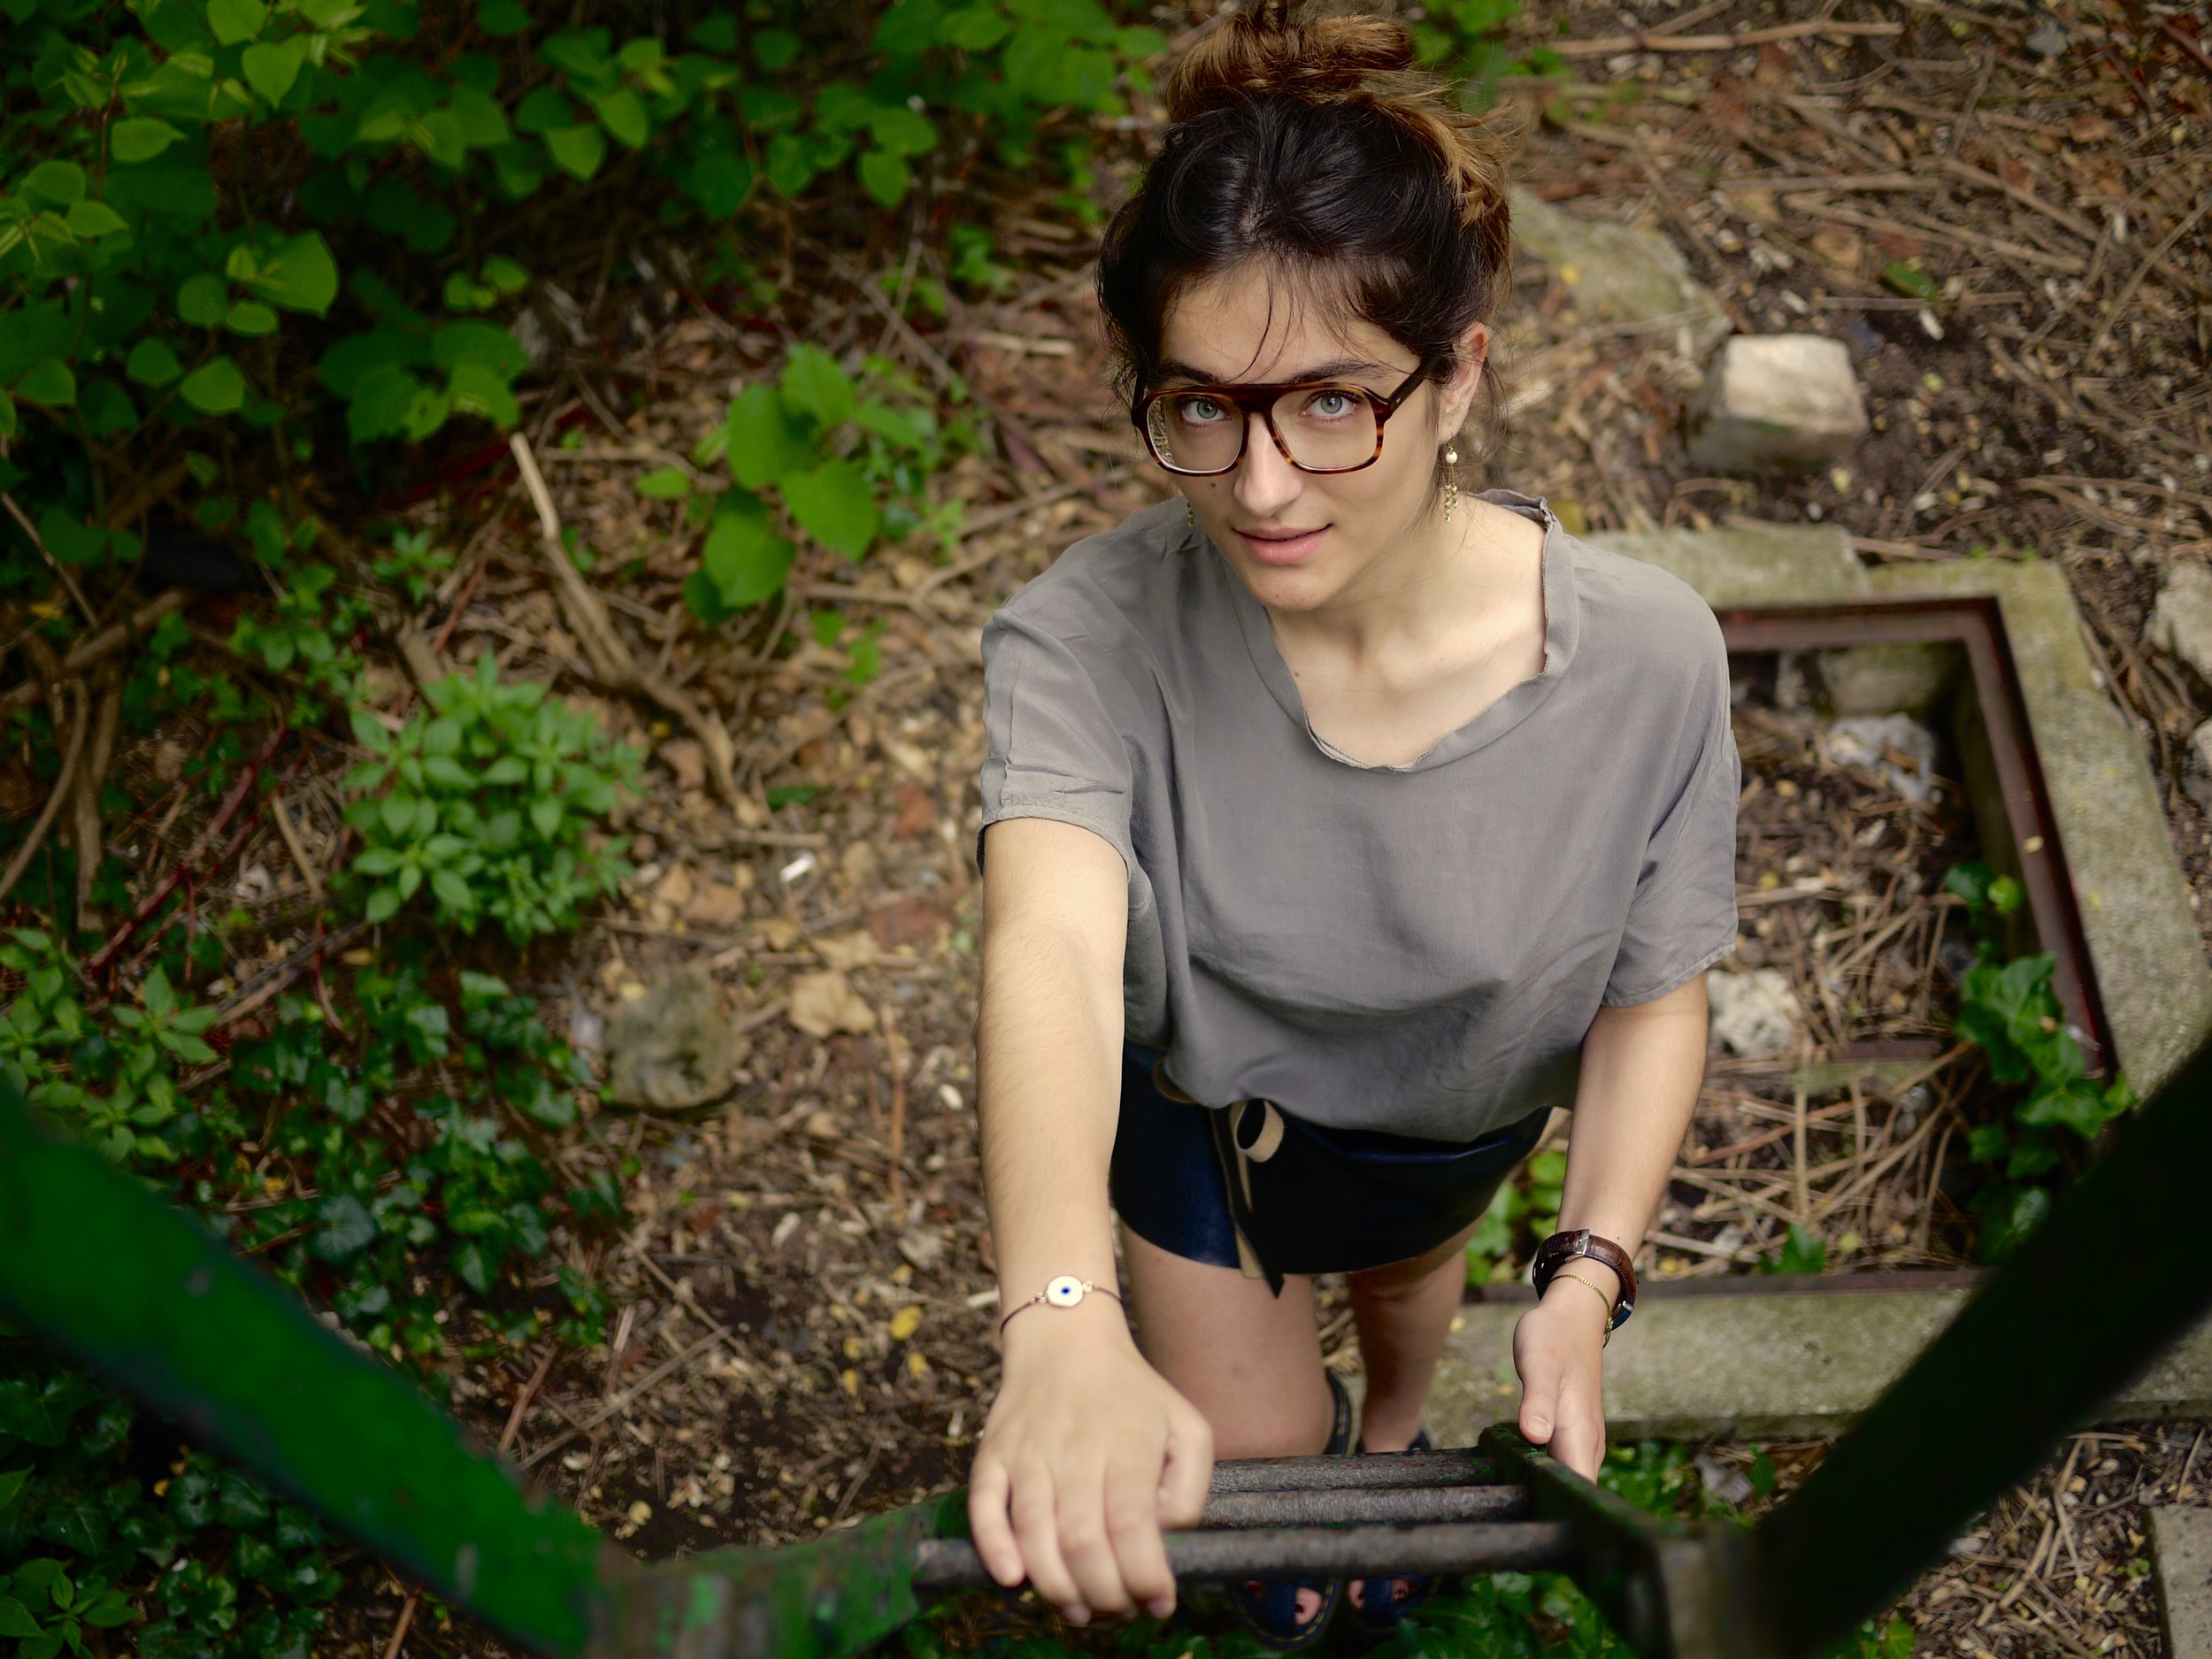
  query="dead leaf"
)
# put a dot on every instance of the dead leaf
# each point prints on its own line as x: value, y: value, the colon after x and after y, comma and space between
x: 910, y: 922
x: 858, y: 863
x: 716, y: 904
x: 780, y: 933
x: 675, y: 890
x: 918, y: 813
x: 856, y: 949
x: 825, y: 1004
x: 910, y: 758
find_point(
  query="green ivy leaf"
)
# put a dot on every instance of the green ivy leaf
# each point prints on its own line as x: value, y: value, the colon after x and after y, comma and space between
x: 745, y: 559
x: 479, y: 388
x: 272, y: 66
x: 502, y: 17
x: 250, y: 318
x: 884, y: 177
x: 59, y: 182
x: 92, y: 220
x: 235, y: 20
x: 300, y: 276
x: 834, y: 505
x: 665, y: 483
x: 203, y: 299
x: 764, y: 444
x: 140, y: 137
x: 383, y: 399
x: 622, y: 113
x: 16, y: 1620
x: 215, y: 388
x: 52, y: 382
x: 347, y: 1227
x: 815, y: 384
x: 577, y: 151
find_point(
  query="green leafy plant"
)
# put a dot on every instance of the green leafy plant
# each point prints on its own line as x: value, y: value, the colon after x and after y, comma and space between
x: 1802, y: 1252
x: 845, y: 464
x: 2008, y: 1010
x: 484, y: 802
x: 1524, y: 1212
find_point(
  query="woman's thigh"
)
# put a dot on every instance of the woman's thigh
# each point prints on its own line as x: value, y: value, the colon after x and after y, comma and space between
x: 1250, y: 1362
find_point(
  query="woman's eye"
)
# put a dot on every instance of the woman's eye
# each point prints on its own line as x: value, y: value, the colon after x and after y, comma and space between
x: 1329, y: 405
x: 1199, y: 409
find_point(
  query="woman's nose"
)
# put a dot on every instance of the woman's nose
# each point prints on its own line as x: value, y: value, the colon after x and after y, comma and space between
x: 1265, y: 480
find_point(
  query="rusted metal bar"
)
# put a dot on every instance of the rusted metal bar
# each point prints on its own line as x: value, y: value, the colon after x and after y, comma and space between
x: 1287, y: 1552
x: 1355, y: 1474
x: 1976, y: 624
x: 1392, y: 1506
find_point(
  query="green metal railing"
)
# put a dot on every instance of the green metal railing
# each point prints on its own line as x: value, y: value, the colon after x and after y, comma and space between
x: 139, y: 1293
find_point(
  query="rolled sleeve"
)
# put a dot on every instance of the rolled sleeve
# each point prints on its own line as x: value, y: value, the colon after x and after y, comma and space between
x: 1683, y: 916
x: 1055, y: 749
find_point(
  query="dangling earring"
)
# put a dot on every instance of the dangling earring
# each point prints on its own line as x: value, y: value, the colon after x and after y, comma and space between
x: 1451, y: 482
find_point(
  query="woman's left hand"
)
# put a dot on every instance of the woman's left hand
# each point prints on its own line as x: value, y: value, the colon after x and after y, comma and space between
x: 1558, y: 1348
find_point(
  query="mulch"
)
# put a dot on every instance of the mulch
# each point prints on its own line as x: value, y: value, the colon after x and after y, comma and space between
x: 804, y: 1296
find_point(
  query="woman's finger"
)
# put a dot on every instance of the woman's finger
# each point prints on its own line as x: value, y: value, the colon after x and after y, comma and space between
x: 1539, y: 1372
x: 1083, y: 1540
x: 988, y: 1489
x: 1036, y: 1514
x: 1189, y: 1467
x: 1132, y: 1528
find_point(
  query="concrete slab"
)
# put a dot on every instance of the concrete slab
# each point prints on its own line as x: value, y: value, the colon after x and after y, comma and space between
x: 1773, y: 1366
x: 2181, y: 1561
x: 1753, y: 565
x: 2150, y: 967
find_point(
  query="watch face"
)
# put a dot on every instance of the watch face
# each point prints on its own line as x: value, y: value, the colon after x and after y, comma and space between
x: 1063, y: 1292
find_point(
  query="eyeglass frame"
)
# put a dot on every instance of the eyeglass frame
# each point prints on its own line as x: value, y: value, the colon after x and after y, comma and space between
x: 1259, y: 398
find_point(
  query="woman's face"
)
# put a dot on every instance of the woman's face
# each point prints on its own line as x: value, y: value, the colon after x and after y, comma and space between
x: 1303, y: 540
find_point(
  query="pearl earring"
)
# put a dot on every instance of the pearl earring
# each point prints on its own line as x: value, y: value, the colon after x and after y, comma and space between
x: 1451, y: 482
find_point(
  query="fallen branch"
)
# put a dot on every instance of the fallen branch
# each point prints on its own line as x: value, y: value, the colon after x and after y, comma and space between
x: 1605, y: 45
x: 611, y: 663
x: 63, y: 779
x: 108, y: 641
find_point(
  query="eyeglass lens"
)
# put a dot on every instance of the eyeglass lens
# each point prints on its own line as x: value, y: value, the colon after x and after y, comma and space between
x: 1325, y: 426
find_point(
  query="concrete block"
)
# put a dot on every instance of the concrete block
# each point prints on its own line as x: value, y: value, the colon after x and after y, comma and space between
x: 1619, y: 273
x: 1776, y: 1365
x: 2134, y: 898
x: 1777, y: 401
x: 1899, y: 677
x: 2196, y: 773
x: 2181, y: 621
x: 2181, y: 1562
x: 1753, y: 565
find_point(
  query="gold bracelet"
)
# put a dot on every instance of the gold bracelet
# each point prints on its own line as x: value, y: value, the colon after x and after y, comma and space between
x: 1600, y: 1295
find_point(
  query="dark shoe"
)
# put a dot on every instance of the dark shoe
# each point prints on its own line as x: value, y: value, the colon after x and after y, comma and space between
x: 1374, y: 1607
x: 1267, y: 1608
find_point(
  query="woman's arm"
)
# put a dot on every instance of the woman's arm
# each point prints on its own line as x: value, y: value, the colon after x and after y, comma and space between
x: 1641, y: 1067
x: 1087, y: 1452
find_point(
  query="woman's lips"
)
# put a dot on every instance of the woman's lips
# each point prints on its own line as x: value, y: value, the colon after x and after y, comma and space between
x: 1283, y: 550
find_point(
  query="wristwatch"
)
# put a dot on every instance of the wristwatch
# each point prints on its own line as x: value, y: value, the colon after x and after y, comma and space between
x: 1063, y: 1292
x: 1563, y: 1248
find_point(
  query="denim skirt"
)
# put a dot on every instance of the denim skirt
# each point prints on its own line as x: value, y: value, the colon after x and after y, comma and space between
x: 1250, y: 1187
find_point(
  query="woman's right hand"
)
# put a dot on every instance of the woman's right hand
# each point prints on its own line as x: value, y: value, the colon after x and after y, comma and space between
x: 1087, y: 1457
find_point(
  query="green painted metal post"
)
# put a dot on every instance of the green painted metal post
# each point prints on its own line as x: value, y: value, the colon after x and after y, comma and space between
x: 143, y: 1296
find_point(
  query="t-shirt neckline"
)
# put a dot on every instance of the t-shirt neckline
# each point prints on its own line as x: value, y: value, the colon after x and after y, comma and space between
x: 1561, y: 631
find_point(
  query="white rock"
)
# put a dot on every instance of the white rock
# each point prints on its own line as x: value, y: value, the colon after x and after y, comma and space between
x: 1896, y: 745
x: 2181, y: 622
x: 1777, y: 401
x: 1753, y: 1013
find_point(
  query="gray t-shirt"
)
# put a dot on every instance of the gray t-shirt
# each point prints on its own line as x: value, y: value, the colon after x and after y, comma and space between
x: 1416, y: 948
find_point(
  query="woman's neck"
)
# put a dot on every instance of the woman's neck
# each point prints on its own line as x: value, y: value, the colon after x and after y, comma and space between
x: 1441, y: 580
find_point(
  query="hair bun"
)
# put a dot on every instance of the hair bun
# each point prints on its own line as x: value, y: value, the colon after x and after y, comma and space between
x: 1282, y: 48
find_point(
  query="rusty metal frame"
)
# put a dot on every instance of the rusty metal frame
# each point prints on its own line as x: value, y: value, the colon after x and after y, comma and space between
x: 1975, y: 623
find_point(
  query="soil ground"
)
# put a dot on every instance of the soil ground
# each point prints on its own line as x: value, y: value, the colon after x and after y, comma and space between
x: 803, y: 1334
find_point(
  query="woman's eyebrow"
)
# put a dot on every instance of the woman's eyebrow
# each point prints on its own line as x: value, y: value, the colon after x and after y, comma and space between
x: 1174, y: 369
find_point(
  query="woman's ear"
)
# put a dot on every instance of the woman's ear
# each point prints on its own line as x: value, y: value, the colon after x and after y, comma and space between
x: 1474, y: 352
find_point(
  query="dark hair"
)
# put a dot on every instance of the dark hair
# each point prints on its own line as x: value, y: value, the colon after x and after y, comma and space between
x: 1311, y: 146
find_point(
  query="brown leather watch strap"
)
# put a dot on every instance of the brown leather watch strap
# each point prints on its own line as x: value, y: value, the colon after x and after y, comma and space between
x: 1562, y: 1248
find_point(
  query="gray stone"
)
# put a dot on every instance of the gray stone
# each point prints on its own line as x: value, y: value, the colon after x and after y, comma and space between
x: 1620, y: 274
x: 2196, y: 773
x: 2135, y: 908
x: 674, y: 1047
x: 1777, y: 401
x: 1754, y: 1013
x: 1775, y: 1365
x: 1908, y: 678
x: 2181, y: 622
x: 1752, y: 564
x: 1896, y: 745
x: 2181, y: 1561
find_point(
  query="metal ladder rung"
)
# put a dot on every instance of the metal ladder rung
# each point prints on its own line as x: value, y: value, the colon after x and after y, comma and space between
x: 1391, y: 1506
x: 945, y: 1564
x: 1365, y: 1473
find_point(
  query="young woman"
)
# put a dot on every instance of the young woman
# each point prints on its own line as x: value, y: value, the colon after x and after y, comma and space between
x: 1338, y: 826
